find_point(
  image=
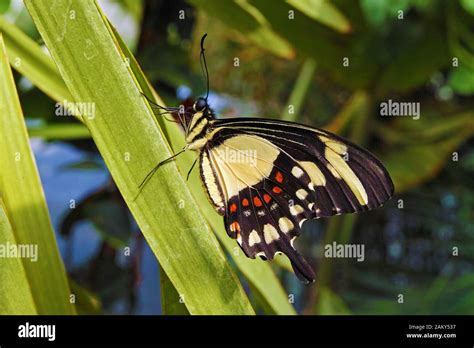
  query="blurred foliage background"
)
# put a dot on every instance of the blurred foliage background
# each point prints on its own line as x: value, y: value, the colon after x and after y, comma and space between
x: 324, y: 63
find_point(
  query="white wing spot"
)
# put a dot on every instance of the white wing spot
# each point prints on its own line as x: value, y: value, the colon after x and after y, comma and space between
x: 301, y: 222
x: 296, y: 209
x: 270, y: 233
x: 254, y: 238
x: 297, y: 172
x: 302, y: 194
x: 310, y: 206
x: 285, y: 224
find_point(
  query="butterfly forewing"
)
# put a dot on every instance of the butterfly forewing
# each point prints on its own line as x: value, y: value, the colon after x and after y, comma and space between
x: 267, y: 177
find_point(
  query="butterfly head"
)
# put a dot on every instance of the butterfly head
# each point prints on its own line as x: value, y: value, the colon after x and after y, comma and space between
x: 200, y: 105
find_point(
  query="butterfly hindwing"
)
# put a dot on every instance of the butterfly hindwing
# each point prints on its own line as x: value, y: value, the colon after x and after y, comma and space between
x: 260, y: 220
x: 268, y: 177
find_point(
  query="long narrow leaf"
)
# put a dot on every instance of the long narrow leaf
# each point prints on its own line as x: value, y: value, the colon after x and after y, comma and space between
x: 248, y: 20
x: 171, y: 302
x: 323, y: 11
x: 15, y: 291
x: 130, y: 142
x: 21, y: 190
x: 28, y: 58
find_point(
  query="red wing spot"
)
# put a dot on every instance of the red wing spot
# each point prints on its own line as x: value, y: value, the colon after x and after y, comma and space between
x: 257, y: 202
x: 267, y: 198
x: 233, y: 208
x: 235, y: 226
x: 245, y: 202
x: 279, y: 177
x: 276, y: 189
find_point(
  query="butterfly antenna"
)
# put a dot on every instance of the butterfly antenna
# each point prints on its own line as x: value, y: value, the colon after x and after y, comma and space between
x: 204, y: 65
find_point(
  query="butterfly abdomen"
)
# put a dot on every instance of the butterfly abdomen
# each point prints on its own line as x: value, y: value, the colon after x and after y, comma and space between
x: 211, y: 182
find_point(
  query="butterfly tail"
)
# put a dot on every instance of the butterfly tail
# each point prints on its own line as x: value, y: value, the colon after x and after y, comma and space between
x: 302, y: 269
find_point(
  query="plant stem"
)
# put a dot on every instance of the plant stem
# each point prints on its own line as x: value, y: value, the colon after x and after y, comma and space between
x: 298, y: 95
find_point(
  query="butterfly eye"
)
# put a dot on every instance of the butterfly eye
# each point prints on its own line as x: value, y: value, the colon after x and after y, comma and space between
x: 200, y: 104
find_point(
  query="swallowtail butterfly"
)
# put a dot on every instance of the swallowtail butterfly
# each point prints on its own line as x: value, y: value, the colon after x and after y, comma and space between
x: 267, y: 177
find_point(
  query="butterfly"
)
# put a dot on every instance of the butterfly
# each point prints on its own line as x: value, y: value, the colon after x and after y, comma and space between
x: 267, y: 177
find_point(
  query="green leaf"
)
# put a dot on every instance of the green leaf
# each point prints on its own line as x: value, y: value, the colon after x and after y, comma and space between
x: 171, y: 302
x: 29, y: 59
x: 331, y: 304
x: 327, y: 47
x: 419, y: 149
x: 468, y: 5
x: 95, y: 71
x: 298, y: 94
x: 411, y: 165
x: 323, y: 11
x: 249, y: 21
x: 461, y: 80
x: 355, y: 107
x: 415, y: 67
x: 378, y: 12
x: 4, y: 6
x: 86, y: 302
x: 60, y: 131
x: 23, y: 195
x: 15, y: 293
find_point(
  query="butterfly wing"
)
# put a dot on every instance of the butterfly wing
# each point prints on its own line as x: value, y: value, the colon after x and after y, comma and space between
x: 268, y: 177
